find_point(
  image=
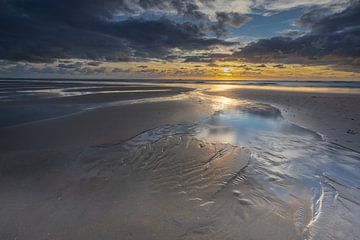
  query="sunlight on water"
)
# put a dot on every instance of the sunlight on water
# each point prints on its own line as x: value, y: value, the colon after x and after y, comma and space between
x: 301, y: 89
x: 294, y: 166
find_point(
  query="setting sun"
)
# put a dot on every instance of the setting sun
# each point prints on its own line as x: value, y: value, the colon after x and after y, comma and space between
x: 227, y: 70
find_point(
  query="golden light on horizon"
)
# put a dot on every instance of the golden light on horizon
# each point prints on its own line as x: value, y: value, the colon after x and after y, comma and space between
x: 227, y: 70
x: 221, y: 70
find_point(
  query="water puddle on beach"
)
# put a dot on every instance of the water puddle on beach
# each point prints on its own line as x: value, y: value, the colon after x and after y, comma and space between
x: 243, y: 173
x: 292, y: 176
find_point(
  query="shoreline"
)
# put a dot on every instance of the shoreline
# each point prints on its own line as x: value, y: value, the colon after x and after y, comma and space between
x: 339, y: 123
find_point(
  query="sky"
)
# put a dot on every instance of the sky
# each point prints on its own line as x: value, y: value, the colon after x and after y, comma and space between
x: 181, y: 39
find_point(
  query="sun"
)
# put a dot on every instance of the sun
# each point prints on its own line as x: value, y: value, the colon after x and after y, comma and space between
x: 227, y: 70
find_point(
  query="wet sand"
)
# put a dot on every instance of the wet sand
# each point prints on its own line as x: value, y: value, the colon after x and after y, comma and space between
x: 335, y: 115
x: 86, y: 176
x: 99, y: 126
x: 174, y: 165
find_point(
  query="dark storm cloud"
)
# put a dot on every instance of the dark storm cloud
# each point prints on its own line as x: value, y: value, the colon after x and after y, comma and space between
x: 326, y: 21
x: 333, y: 39
x: 209, y: 57
x: 226, y: 20
x: 188, y: 8
x: 33, y: 36
x: 42, y: 31
x: 154, y: 38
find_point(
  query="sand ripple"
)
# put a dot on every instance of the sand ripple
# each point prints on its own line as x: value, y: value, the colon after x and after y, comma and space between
x: 243, y: 173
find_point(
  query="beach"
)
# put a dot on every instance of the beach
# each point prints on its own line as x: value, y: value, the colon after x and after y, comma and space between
x: 334, y: 115
x: 181, y: 162
x: 188, y: 120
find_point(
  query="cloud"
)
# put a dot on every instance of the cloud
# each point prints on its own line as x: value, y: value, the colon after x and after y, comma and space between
x: 92, y: 71
x: 154, y: 38
x: 333, y: 39
x: 94, y: 63
x: 120, y: 70
x: 279, y: 66
x: 280, y: 5
x: 142, y: 66
x: 226, y: 20
x: 6, y: 63
x: 207, y: 57
x: 43, y: 31
x: 261, y: 66
x: 321, y: 22
x: 293, y: 33
x: 70, y: 66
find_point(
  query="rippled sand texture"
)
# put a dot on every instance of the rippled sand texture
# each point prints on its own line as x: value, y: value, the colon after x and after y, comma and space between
x: 312, y: 184
x: 243, y: 173
x: 162, y: 182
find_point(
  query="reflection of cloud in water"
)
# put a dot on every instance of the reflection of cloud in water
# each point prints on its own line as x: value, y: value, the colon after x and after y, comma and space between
x: 294, y: 164
x: 248, y: 122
